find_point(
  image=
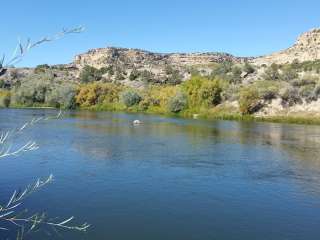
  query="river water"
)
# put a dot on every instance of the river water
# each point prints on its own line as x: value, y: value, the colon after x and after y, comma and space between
x: 167, y: 178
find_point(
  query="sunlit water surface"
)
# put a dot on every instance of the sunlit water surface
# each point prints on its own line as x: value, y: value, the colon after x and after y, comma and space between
x: 168, y: 178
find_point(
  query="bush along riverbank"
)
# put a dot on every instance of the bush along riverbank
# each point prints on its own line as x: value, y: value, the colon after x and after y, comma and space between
x: 279, y: 93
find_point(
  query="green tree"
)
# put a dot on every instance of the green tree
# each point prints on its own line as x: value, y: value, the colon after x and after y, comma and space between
x: 202, y: 91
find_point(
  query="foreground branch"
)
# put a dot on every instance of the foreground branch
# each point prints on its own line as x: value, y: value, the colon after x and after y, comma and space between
x: 5, y: 137
x: 11, y: 213
x: 23, y: 48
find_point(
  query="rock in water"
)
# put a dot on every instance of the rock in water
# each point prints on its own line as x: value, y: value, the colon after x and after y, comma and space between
x: 137, y: 122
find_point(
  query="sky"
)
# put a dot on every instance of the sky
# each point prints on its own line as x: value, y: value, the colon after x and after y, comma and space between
x: 239, y: 27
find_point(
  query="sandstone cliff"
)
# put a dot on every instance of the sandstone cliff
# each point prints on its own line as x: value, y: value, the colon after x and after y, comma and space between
x: 306, y: 48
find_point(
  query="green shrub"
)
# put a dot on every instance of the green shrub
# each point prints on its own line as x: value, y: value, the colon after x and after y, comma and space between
x: 134, y: 75
x: 33, y: 89
x: 177, y: 103
x: 272, y: 72
x: 221, y: 69
x: 316, y: 91
x: 119, y: 76
x: 290, y: 95
x: 130, y: 97
x: 44, y: 89
x: 174, y: 78
x: 5, y: 99
x: 267, y: 89
x: 202, y: 91
x: 147, y: 76
x: 2, y: 83
x: 91, y: 74
x: 248, y: 68
x: 173, y: 75
x: 158, y: 97
x: 288, y: 73
x: 307, y: 92
x: 210, y: 92
x: 62, y: 97
x: 303, y: 82
x: 41, y: 68
x: 98, y: 93
x: 236, y: 75
x: 230, y: 92
x: 249, y: 101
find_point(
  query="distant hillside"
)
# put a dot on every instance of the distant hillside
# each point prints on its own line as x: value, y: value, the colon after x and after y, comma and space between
x: 190, y: 83
x: 306, y: 48
x: 121, y: 63
x: 102, y: 57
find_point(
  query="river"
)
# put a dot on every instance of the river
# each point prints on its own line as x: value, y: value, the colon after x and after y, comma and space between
x: 168, y: 178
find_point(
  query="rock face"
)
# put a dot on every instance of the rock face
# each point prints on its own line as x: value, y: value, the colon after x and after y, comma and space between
x: 135, y: 67
x: 306, y: 48
x: 101, y: 57
x: 149, y: 66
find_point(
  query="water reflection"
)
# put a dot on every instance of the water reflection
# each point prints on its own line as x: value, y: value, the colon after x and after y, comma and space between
x: 172, y: 175
x: 299, y: 142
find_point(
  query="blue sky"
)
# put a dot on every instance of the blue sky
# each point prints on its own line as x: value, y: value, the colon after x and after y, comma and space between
x: 240, y: 27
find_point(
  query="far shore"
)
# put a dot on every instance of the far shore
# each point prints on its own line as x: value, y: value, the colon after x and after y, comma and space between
x: 288, y: 119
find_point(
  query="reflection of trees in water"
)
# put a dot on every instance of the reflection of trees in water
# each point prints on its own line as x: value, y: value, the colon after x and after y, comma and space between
x: 189, y: 143
x: 297, y: 158
x: 300, y: 142
x: 180, y: 143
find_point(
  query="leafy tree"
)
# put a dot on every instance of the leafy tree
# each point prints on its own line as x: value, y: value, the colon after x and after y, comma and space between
x: 202, y: 91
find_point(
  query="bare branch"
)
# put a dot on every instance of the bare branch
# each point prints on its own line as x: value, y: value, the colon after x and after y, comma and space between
x: 23, y: 48
x: 6, y: 151
x: 11, y: 213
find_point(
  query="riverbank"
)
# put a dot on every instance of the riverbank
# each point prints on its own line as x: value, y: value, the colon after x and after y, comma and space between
x: 209, y: 114
x: 306, y: 120
x: 214, y: 115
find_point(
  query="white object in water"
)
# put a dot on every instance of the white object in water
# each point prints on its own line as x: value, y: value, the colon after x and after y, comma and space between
x: 136, y: 122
